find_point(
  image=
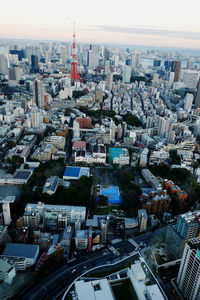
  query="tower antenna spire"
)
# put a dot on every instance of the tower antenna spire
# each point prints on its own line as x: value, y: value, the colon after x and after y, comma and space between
x: 74, y: 74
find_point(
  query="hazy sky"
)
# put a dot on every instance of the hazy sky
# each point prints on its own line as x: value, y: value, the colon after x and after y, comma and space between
x: 171, y: 23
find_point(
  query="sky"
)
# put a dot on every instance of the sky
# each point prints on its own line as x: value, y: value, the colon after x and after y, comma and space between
x: 154, y: 23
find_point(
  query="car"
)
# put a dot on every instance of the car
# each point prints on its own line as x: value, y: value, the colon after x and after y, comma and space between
x: 73, y: 271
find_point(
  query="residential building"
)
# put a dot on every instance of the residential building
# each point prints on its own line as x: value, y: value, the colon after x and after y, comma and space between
x: 188, y: 279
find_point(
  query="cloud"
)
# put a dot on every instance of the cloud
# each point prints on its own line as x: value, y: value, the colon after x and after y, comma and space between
x: 152, y: 31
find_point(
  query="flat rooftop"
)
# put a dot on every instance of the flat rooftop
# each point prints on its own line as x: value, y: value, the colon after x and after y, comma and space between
x: 20, y: 250
x: 111, y: 192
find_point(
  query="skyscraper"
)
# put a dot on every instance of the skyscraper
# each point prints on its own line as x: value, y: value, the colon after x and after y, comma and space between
x: 38, y: 93
x: 188, y: 279
x: 34, y: 64
x: 197, y: 100
x: 126, y: 75
x: 176, y: 67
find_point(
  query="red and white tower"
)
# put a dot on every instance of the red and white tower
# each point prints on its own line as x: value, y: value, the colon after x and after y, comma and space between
x: 74, y: 74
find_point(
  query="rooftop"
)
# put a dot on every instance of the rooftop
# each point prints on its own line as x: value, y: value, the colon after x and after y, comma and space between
x: 21, y: 250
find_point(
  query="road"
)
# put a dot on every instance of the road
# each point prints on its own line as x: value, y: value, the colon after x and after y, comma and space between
x: 49, y: 287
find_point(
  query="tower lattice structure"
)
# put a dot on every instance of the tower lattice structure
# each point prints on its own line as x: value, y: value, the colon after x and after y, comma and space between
x: 74, y: 74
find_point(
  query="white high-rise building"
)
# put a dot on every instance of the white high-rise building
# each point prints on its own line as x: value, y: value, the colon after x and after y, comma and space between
x: 116, y: 60
x: 3, y: 65
x: 190, y: 78
x: 6, y: 208
x: 163, y: 126
x: 188, y: 102
x: 188, y: 279
x: 93, y: 58
x: 109, y: 81
x: 13, y: 76
x: 126, y: 76
x: 136, y: 59
x: 63, y: 55
x: 107, y: 67
x: 35, y: 118
x: 171, y: 77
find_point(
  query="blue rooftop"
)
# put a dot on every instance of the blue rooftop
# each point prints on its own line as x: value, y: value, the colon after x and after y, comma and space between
x: 21, y: 250
x: 112, y: 193
x: 72, y: 171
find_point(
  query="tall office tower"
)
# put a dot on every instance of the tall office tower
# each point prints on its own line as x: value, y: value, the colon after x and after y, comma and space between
x: 35, y: 118
x: 6, y: 208
x: 190, y: 78
x: 38, y: 93
x: 107, y: 67
x: 93, y: 58
x: 197, y: 99
x: 63, y: 55
x: 126, y: 75
x: 163, y: 126
x: 188, y: 102
x: 128, y: 61
x: 187, y: 227
x: 4, y: 51
x: 34, y: 64
x: 188, y: 280
x: 99, y: 95
x: 3, y: 65
x: 176, y: 67
x: 116, y: 60
x: 136, y: 59
x: 74, y: 74
x: 13, y: 76
x: 28, y: 52
x: 119, y: 132
x: 167, y: 65
x: 103, y: 232
x: 156, y: 63
x: 171, y: 77
x: 142, y: 219
x: 190, y: 63
x: 112, y: 129
x: 109, y: 81
x: 47, y: 57
x: 106, y: 54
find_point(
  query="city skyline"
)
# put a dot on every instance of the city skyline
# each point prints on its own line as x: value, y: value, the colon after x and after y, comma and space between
x: 140, y: 24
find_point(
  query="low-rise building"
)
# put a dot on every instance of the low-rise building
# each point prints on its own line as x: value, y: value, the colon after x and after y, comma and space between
x: 23, y: 255
x: 7, y: 271
x: 51, y: 185
x: 81, y: 239
x: 142, y: 219
x: 152, y: 180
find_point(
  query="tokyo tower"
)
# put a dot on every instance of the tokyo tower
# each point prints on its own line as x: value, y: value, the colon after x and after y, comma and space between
x: 74, y: 74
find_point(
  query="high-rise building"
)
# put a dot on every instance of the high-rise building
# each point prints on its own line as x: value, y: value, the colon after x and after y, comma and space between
x: 197, y: 100
x: 13, y: 76
x: 116, y: 60
x: 163, y: 126
x: 188, y: 279
x: 93, y: 58
x: 156, y: 63
x: 190, y: 78
x: 187, y: 227
x: 176, y: 67
x: 3, y: 65
x: 136, y: 59
x: 34, y: 64
x: 63, y: 55
x: 126, y: 75
x: 142, y: 219
x: 38, y: 93
x: 103, y: 232
x: 107, y: 67
x: 188, y: 102
x: 109, y: 81
x: 35, y: 118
